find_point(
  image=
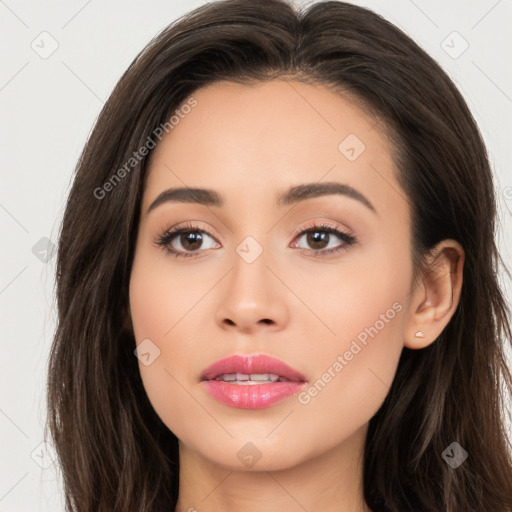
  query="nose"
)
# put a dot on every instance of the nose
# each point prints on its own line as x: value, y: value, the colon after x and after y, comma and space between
x: 252, y: 298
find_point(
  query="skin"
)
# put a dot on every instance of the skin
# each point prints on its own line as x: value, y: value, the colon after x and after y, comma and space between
x: 251, y: 143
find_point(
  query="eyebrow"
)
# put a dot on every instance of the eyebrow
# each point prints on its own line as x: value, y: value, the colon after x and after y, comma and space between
x: 293, y: 195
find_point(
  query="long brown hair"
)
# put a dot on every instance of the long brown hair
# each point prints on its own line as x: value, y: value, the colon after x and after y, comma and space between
x: 115, y: 452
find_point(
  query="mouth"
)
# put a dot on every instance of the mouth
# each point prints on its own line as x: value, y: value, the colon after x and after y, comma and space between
x: 250, y: 370
x: 251, y: 382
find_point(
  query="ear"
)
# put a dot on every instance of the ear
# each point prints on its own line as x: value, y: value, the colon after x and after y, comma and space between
x: 436, y: 297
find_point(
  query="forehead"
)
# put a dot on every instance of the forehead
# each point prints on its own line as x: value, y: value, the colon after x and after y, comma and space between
x: 247, y: 140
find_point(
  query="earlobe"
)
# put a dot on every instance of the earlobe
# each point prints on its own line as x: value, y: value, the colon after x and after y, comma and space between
x: 435, y: 299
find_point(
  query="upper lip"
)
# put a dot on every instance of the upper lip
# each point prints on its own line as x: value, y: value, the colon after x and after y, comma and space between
x: 251, y: 364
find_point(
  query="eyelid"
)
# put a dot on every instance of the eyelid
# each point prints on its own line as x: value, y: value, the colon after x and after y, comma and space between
x: 318, y: 224
x: 312, y: 224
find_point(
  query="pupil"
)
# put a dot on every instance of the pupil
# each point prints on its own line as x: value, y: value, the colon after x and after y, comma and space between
x: 191, y: 239
x: 314, y: 239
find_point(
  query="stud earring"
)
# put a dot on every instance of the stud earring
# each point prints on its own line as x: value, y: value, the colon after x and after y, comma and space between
x: 420, y: 334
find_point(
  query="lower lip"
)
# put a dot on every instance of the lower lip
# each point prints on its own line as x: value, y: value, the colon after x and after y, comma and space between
x: 251, y: 396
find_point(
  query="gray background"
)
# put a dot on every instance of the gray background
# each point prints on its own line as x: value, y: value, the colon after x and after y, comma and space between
x: 49, y: 102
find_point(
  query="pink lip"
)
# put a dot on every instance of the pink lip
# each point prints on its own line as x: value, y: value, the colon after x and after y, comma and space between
x: 248, y: 364
x: 257, y: 396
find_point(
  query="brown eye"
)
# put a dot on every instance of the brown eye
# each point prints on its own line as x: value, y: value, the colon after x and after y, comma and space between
x: 191, y: 240
x: 322, y: 239
x: 318, y: 239
x: 185, y: 241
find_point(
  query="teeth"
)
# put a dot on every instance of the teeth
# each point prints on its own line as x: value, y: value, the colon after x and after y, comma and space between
x: 253, y: 378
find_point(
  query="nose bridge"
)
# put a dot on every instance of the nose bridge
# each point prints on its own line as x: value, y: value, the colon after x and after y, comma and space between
x: 250, y: 275
x: 252, y: 243
x: 251, y: 295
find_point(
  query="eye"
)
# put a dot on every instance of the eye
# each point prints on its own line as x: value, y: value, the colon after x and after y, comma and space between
x: 321, y: 240
x: 179, y: 241
x: 187, y: 240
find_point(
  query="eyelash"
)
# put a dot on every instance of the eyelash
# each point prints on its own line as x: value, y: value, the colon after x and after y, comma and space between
x: 167, y: 236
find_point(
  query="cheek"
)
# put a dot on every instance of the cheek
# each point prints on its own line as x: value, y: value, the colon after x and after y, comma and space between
x: 362, y: 312
x: 359, y: 295
x: 164, y: 307
x: 161, y: 296
x: 153, y: 315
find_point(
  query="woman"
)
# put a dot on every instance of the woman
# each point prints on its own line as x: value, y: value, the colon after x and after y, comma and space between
x: 288, y: 218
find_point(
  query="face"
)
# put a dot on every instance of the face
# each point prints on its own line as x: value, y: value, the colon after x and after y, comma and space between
x: 319, y: 281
